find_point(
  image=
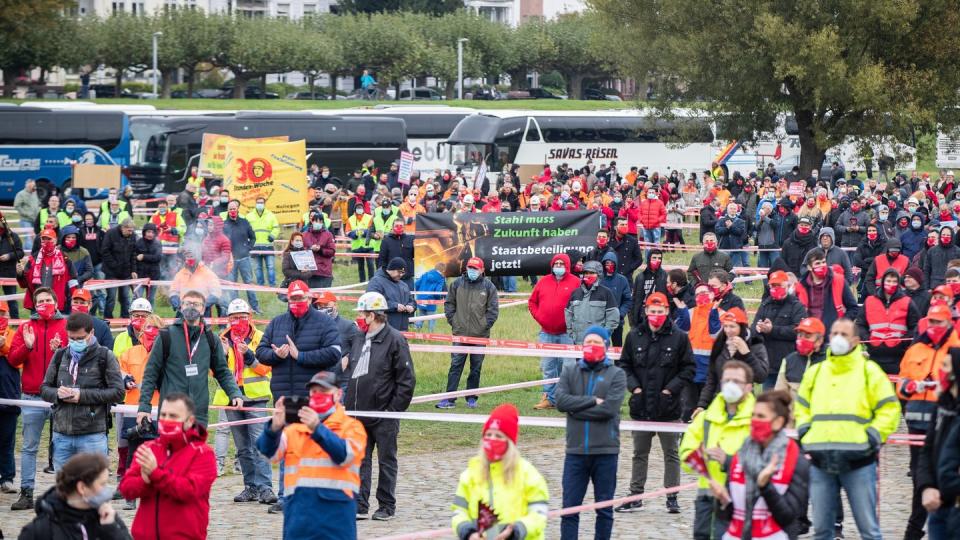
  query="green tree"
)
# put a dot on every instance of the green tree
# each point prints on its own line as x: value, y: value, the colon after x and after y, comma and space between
x: 189, y: 39
x: 441, y: 34
x: 529, y: 47
x: 22, y: 26
x: 432, y: 7
x: 843, y: 67
x: 124, y: 42
x: 583, y: 50
x: 318, y: 53
x: 253, y: 48
x: 386, y: 43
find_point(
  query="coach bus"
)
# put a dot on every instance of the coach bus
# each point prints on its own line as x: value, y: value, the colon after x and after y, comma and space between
x: 43, y: 144
x: 428, y: 127
x: 687, y: 142
x: 166, y: 147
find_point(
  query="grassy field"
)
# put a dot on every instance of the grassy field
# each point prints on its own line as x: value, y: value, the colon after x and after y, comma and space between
x: 295, y: 105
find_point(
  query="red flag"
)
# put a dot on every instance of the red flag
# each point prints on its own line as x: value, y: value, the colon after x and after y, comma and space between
x: 486, y: 518
x: 697, y: 463
x: 778, y: 152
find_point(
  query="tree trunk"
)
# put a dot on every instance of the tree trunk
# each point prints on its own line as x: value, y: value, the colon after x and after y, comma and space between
x: 449, y: 90
x: 41, y: 82
x: 239, y: 86
x: 333, y: 86
x: 396, y: 90
x: 574, y: 85
x: 310, y: 80
x: 263, y: 86
x: 191, y: 77
x: 811, y: 155
x: 9, y: 78
x: 119, y: 83
x: 166, y: 81
x: 515, y: 77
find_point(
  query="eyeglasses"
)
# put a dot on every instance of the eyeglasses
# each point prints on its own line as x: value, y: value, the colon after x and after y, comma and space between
x: 192, y: 304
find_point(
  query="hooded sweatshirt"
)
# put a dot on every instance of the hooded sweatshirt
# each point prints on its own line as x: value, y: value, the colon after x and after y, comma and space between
x: 550, y: 297
x: 835, y: 255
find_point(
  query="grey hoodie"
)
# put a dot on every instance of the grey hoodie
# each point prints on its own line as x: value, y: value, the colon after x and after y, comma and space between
x: 835, y: 255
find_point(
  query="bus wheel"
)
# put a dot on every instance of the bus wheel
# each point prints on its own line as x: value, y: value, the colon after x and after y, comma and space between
x: 44, y: 188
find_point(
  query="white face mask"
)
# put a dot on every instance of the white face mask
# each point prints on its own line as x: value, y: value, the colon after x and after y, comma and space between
x: 731, y: 391
x: 839, y: 345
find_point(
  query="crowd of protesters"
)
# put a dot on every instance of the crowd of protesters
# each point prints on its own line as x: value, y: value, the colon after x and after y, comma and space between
x: 854, y: 331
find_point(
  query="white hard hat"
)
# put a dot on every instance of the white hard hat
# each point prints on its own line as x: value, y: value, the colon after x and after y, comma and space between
x: 141, y: 304
x: 468, y: 199
x: 238, y: 305
x: 949, y: 173
x: 913, y: 200
x: 372, y: 301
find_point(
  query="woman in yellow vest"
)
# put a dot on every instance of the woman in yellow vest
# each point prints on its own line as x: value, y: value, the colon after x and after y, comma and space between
x: 500, y: 495
x: 240, y: 341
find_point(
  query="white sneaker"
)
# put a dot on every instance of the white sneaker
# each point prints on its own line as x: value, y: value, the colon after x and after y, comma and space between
x: 7, y: 487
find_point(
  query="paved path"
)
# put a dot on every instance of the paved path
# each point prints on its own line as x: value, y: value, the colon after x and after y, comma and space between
x: 427, y: 484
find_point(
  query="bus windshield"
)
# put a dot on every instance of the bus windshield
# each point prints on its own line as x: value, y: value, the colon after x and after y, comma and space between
x: 149, y: 145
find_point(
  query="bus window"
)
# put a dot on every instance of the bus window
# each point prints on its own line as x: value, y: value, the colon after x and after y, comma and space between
x: 554, y: 130
x: 611, y: 130
x: 584, y: 134
x: 177, y: 161
x: 533, y: 130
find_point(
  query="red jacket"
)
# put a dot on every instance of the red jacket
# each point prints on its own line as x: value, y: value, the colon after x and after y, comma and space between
x: 550, y: 297
x: 324, y: 256
x: 176, y: 502
x: 35, y: 361
x: 632, y: 213
x: 652, y: 214
x: 216, y: 248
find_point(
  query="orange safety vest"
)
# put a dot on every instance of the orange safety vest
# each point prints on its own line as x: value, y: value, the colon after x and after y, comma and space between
x: 887, y: 325
x: 700, y: 339
x: 900, y: 264
x: 308, y: 465
x: 164, y: 223
x: 922, y: 362
x: 837, y: 284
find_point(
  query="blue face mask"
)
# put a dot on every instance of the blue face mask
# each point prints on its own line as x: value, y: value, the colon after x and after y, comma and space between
x: 78, y: 345
x: 559, y: 271
x: 473, y: 274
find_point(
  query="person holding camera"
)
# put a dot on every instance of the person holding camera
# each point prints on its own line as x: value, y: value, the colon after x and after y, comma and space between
x: 172, y: 475
x: 304, y: 431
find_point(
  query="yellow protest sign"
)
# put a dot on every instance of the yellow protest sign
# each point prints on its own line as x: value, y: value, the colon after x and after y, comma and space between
x: 213, y: 152
x: 276, y: 171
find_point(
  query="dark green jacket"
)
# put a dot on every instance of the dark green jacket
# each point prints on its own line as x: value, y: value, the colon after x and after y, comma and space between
x: 167, y: 371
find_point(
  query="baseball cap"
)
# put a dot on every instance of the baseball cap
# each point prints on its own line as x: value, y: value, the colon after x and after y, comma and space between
x: 657, y: 299
x: 778, y: 277
x: 475, y: 262
x: 298, y: 286
x: 944, y: 290
x: 325, y: 297
x: 326, y: 379
x: 805, y: 221
x: 811, y: 325
x: 736, y: 315
x: 939, y: 312
x: 82, y: 294
x: 48, y: 233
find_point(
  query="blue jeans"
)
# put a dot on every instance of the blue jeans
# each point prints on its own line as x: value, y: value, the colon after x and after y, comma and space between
x: 509, y: 283
x: 259, y: 261
x: 8, y: 444
x: 765, y: 258
x: 457, y: 361
x: 112, y: 299
x: 937, y: 524
x: 651, y: 236
x: 551, y: 366
x: 254, y: 465
x: 739, y: 258
x: 431, y: 324
x: 578, y: 471
x: 99, y: 295
x: 861, y: 487
x: 33, y: 420
x: 66, y: 446
x: 27, y: 238
x: 245, y: 270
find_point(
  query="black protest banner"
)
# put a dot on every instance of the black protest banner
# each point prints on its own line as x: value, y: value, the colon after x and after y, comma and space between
x: 510, y: 243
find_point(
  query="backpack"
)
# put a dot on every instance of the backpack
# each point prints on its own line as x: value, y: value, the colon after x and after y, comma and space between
x: 101, y: 364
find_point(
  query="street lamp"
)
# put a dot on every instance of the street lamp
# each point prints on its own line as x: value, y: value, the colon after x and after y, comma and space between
x: 460, y: 43
x: 156, y: 35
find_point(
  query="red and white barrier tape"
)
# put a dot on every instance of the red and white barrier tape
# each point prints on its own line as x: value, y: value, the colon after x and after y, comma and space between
x: 480, y: 391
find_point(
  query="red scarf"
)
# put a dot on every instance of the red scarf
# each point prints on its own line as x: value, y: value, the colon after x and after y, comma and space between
x: 59, y: 266
x: 238, y: 364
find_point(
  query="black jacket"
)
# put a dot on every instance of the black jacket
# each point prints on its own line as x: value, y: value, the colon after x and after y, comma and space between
x: 152, y: 252
x: 935, y: 264
x: 390, y: 379
x: 9, y: 385
x: 241, y: 235
x: 795, y: 250
x: 92, y: 239
x: 785, y: 315
x: 921, y: 299
x: 397, y: 293
x: 654, y: 362
x: 925, y: 475
x: 56, y: 520
x: 756, y: 358
x: 708, y: 220
x: 646, y: 283
x: 118, y: 254
x: 10, y: 244
x: 392, y: 246
x: 888, y: 357
x: 797, y: 364
x: 318, y: 340
x: 629, y: 255
x: 100, y: 384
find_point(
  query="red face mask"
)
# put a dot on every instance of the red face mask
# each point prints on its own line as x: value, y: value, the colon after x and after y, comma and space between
x: 656, y: 321
x: 70, y: 243
x: 709, y: 246
x: 81, y: 308
x: 803, y: 230
x: 594, y: 353
x: 761, y: 430
x: 821, y: 272
x: 602, y: 241
x: 240, y: 327
x: 398, y: 230
x: 149, y: 336
x: 936, y: 333
x: 890, y: 289
x: 778, y: 293
x: 494, y: 449
x: 136, y: 324
x: 190, y: 262
x: 622, y: 229
x: 932, y: 242
x: 655, y: 264
x: 609, y: 267
x: 47, y: 247
x: 299, y: 309
x: 871, y: 236
x: 946, y: 240
x: 362, y: 324
x: 46, y: 311
x: 783, y: 211
x: 233, y: 214
x: 322, y: 403
x: 170, y: 431
x: 703, y: 299
x: 589, y: 280
x: 805, y: 346
x: 4, y: 323
x: 955, y: 287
